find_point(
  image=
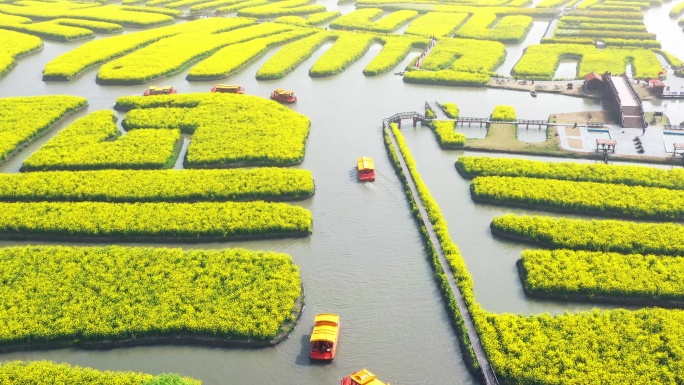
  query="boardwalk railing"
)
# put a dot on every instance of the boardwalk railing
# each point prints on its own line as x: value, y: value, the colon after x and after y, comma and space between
x: 674, y: 126
x: 397, y: 118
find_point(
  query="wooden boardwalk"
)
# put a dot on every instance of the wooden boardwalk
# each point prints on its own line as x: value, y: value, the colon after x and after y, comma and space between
x: 488, y: 375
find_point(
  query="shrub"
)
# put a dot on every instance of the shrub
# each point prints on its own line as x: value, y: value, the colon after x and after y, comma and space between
x: 451, y: 110
x: 503, y: 114
x: 446, y: 134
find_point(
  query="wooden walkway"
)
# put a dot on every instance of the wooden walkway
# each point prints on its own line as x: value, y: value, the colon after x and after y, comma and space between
x: 488, y: 374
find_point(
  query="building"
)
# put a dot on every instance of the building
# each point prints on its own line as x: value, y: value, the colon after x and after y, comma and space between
x: 593, y: 82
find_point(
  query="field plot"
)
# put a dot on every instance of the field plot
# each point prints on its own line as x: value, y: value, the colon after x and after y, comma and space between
x: 156, y: 222
x: 310, y: 20
x: 595, y: 235
x: 370, y: 19
x: 394, y: 50
x: 440, y: 24
x: 88, y: 55
x: 592, y: 198
x: 487, y: 26
x: 15, y: 45
x: 227, y: 130
x: 459, y: 62
x: 472, y: 166
x: 173, y: 54
x: 541, y: 61
x: 65, y: 296
x: 158, y: 186
x: 93, y: 142
x: 604, y: 346
x: 230, y: 59
x: 24, y: 119
x: 291, y: 55
x: 45, y: 372
x: 94, y: 11
x: 279, y: 8
x: 347, y: 49
x: 51, y: 31
x: 611, y: 275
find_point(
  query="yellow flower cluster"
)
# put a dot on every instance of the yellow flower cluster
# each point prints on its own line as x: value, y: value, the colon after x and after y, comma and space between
x: 228, y: 60
x: 446, y: 134
x: 14, y: 45
x: 369, y: 19
x: 51, y: 31
x: 472, y: 166
x: 581, y: 197
x: 291, y: 55
x: 440, y: 24
x: 88, y: 144
x: 465, y: 55
x: 23, y: 119
x: 175, y: 53
x: 589, y: 273
x: 348, y: 48
x: 503, y: 113
x: 596, y: 235
x: 279, y: 8
x: 541, y: 61
x: 227, y: 129
x: 72, y: 63
x: 394, y: 49
x: 507, y: 29
x: 153, y: 221
x: 266, y: 183
x: 68, y: 295
x: 47, y: 372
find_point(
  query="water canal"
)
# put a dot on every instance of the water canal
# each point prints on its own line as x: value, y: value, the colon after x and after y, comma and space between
x: 365, y: 258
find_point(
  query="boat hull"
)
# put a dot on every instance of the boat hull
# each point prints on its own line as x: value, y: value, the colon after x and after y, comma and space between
x: 367, y: 177
x: 284, y: 100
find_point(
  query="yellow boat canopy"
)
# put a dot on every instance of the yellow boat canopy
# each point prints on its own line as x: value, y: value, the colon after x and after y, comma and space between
x: 227, y: 87
x: 281, y: 91
x: 364, y: 377
x: 327, y: 317
x: 326, y: 327
x: 365, y: 164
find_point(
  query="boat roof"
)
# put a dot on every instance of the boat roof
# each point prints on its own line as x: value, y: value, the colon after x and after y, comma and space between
x: 160, y: 88
x: 365, y: 163
x: 227, y: 86
x: 324, y: 333
x: 283, y: 92
x: 327, y: 317
x: 364, y: 377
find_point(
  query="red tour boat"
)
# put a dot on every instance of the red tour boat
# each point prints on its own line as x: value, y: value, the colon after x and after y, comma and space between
x: 154, y: 90
x: 283, y: 96
x: 362, y: 377
x: 324, y: 337
x: 228, y: 89
x: 365, y: 168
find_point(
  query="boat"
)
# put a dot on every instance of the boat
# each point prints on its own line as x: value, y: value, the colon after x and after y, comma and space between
x: 228, y: 89
x: 154, y: 90
x: 324, y: 337
x: 533, y: 93
x: 365, y: 168
x: 362, y: 377
x: 283, y: 96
